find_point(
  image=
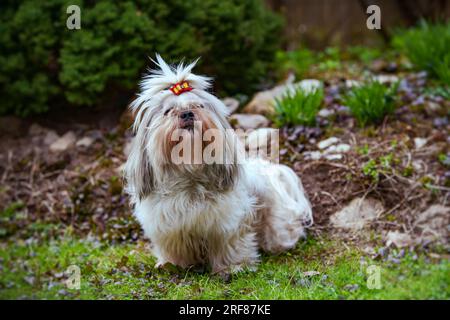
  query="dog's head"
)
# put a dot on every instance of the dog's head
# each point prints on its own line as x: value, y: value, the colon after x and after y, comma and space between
x: 181, y: 129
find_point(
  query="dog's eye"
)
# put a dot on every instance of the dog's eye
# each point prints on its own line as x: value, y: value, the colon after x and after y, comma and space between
x: 167, y: 111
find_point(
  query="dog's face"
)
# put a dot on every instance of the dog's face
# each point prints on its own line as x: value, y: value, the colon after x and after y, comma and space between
x: 172, y: 134
x: 177, y: 129
x: 181, y: 118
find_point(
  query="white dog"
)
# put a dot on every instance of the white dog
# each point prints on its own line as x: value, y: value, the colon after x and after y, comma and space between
x: 216, y: 214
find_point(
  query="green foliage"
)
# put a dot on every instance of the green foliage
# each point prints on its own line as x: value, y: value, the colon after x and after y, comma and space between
x: 43, y: 63
x: 363, y: 53
x: 371, y: 102
x: 298, y: 61
x: 370, y: 169
x: 428, y: 47
x: 441, y: 91
x: 330, y: 59
x: 383, y: 165
x: 444, y: 159
x: 299, y: 107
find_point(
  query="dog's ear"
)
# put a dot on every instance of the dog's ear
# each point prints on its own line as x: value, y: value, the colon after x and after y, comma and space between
x: 138, y: 172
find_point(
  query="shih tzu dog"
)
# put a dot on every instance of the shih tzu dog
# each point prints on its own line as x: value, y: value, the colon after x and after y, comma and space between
x: 219, y: 210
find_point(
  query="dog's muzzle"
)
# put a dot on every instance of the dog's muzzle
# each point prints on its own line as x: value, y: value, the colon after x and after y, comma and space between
x: 187, y: 119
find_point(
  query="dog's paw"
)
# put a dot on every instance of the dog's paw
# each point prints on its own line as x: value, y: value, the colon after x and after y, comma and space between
x: 226, y: 274
x: 166, y: 266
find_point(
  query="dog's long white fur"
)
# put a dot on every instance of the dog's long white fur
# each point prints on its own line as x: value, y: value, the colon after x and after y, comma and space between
x: 216, y: 215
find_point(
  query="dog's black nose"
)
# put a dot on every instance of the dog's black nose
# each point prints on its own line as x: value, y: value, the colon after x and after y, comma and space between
x: 187, y: 115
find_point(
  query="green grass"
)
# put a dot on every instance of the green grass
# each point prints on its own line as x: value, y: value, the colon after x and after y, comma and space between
x: 371, y: 102
x: 297, y: 61
x: 297, y: 108
x: 364, y: 54
x: 428, y: 48
x: 126, y: 272
x: 440, y: 91
x: 329, y: 59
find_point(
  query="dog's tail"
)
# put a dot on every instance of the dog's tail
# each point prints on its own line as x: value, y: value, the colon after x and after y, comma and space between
x: 162, y: 78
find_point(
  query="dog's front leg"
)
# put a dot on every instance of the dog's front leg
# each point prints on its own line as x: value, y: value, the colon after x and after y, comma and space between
x: 233, y: 253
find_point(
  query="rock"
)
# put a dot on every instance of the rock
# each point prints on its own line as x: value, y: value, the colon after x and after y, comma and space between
x: 85, y: 142
x: 50, y: 137
x: 327, y: 142
x: 340, y: 148
x: 356, y: 215
x: 352, y: 83
x: 325, y: 113
x: 232, y: 104
x: 263, y: 102
x: 332, y: 157
x: 249, y: 121
x: 312, y: 155
x: 63, y: 143
x: 419, y: 142
x: 311, y: 273
x: 433, y: 224
x: 399, y: 239
x: 434, y: 107
x: 36, y: 129
x: 417, y: 165
x: 386, y: 78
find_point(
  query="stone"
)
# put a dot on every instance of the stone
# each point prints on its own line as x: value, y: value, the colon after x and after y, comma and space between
x: 340, y: 148
x: 232, y: 104
x: 386, y: 78
x: 325, y: 113
x: 419, y: 142
x: 398, y: 239
x: 312, y: 155
x: 36, y: 129
x: 263, y: 102
x: 357, y: 214
x: 311, y: 273
x: 327, y: 142
x: 434, y: 223
x: 249, y: 121
x: 50, y: 137
x: 63, y: 143
x: 434, y: 107
x: 352, y: 83
x: 332, y: 157
x: 85, y: 142
x: 343, y: 147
